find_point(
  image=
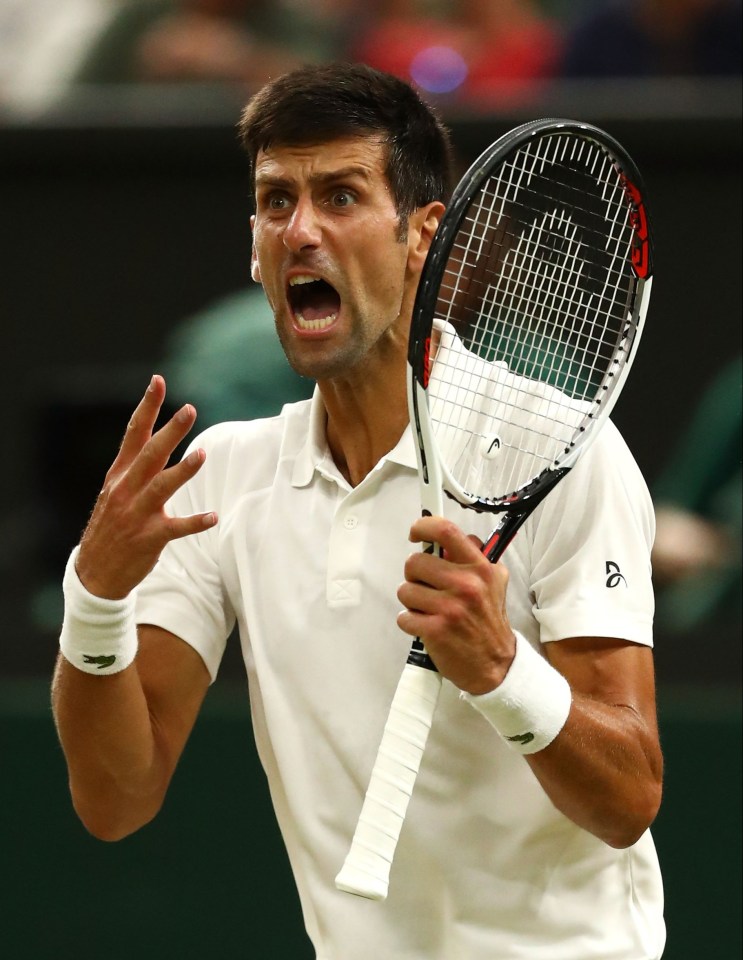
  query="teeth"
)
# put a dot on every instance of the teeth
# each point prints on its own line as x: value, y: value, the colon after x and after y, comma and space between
x: 318, y: 324
x: 302, y: 278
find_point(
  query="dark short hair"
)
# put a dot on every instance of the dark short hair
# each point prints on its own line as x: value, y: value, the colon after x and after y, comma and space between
x: 317, y: 104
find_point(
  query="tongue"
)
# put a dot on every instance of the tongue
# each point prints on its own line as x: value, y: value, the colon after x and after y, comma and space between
x: 317, y: 301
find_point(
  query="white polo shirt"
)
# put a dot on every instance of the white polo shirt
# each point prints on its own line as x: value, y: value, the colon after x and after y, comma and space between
x: 486, y: 868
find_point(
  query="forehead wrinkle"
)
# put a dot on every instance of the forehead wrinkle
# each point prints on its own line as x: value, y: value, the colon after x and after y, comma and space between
x: 281, y: 165
x: 319, y: 178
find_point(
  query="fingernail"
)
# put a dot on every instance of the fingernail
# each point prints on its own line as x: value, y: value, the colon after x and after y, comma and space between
x: 210, y: 519
x: 184, y: 414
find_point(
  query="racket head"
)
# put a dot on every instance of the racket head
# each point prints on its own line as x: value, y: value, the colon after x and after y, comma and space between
x: 528, y: 312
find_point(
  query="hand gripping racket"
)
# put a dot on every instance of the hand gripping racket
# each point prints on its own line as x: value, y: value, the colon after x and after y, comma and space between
x: 525, y: 324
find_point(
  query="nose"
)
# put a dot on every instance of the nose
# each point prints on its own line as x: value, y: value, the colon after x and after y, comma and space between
x: 303, y: 229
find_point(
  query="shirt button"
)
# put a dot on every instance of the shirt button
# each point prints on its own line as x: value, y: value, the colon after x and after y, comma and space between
x: 351, y: 522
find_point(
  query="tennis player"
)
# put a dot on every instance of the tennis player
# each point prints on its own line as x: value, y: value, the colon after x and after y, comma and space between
x: 298, y: 529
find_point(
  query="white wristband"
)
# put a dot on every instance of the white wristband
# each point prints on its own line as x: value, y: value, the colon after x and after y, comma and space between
x: 531, y: 705
x: 98, y: 636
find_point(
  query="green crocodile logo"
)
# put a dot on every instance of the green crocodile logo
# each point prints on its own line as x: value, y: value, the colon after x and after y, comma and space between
x: 103, y: 661
x: 522, y: 738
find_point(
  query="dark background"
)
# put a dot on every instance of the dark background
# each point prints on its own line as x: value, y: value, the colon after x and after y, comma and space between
x: 118, y: 218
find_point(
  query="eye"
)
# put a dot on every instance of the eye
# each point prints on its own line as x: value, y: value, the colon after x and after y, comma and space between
x: 277, y: 201
x: 342, y: 198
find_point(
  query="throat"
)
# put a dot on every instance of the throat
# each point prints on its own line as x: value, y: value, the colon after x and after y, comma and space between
x: 358, y: 447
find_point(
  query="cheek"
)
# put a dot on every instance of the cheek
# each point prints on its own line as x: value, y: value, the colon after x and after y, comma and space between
x: 391, y: 273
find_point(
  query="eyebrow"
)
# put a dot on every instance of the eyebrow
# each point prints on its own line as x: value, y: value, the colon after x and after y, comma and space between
x: 316, y: 179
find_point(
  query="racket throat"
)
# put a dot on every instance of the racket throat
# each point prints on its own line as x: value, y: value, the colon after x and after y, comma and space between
x: 495, y: 546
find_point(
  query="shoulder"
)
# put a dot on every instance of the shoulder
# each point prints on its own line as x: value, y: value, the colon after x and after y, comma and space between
x: 611, y: 457
x: 265, y: 435
x: 245, y: 454
x: 604, y: 491
x: 608, y: 473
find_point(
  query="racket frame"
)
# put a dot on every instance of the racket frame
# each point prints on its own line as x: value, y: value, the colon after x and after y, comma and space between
x: 420, y: 361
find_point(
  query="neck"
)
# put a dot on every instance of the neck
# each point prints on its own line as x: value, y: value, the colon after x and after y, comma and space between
x: 366, y: 418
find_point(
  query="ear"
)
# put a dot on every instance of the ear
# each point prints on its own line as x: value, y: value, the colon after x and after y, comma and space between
x: 421, y: 229
x: 255, y: 270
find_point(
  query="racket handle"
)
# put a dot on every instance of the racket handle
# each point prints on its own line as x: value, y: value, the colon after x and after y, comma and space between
x: 366, y: 870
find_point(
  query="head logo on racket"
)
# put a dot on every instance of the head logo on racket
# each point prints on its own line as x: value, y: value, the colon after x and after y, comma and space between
x: 490, y: 446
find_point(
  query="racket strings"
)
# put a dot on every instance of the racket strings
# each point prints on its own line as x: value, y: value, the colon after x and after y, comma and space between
x: 532, y: 314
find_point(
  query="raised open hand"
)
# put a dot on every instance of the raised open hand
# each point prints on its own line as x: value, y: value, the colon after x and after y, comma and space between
x: 129, y: 527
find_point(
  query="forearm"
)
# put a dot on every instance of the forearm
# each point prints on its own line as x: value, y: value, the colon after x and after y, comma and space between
x: 117, y: 773
x: 125, y: 696
x: 603, y: 770
x: 584, y: 719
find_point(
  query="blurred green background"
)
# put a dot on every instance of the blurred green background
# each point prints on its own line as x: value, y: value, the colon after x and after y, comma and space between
x: 209, y: 877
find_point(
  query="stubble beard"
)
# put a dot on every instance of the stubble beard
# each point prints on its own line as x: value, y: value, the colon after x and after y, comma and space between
x: 326, y: 361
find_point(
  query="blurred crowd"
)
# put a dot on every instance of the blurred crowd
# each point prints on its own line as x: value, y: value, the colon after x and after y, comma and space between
x: 467, y: 53
x: 467, y: 50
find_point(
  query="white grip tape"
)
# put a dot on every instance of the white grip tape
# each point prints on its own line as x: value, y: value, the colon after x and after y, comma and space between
x: 366, y: 870
x: 531, y: 705
x: 99, y: 636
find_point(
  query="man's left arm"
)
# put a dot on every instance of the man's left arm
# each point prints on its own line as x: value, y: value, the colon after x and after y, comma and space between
x: 604, y: 769
x: 602, y: 766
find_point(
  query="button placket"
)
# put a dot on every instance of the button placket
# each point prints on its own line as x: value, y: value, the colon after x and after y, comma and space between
x: 346, y: 549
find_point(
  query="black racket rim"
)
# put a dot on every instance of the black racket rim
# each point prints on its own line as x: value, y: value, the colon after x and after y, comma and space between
x: 461, y: 199
x: 427, y: 295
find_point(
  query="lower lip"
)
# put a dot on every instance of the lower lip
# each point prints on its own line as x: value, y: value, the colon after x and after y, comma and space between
x: 314, y: 331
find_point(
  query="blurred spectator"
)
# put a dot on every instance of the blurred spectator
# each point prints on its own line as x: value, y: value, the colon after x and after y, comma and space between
x: 699, y: 511
x: 227, y: 361
x: 243, y: 41
x: 511, y: 40
x: 469, y: 49
x: 645, y: 38
x: 41, y: 42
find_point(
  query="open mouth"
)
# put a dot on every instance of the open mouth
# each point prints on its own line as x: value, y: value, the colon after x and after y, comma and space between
x: 314, y: 302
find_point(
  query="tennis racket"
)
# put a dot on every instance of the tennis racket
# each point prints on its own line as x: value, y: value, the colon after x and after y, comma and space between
x: 526, y: 321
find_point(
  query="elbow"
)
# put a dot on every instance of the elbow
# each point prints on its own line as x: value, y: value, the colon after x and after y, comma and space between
x: 107, y: 831
x: 635, y: 819
x: 111, y: 823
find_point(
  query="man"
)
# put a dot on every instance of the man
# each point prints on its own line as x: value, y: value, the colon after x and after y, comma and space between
x: 297, y: 528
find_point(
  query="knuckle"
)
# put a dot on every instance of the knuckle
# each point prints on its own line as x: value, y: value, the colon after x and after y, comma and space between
x: 159, y: 488
x: 410, y: 566
x: 114, y: 494
x: 501, y: 575
x: 449, y: 529
x: 148, y: 453
x: 450, y: 610
x: 405, y: 594
x: 134, y: 422
x: 469, y: 592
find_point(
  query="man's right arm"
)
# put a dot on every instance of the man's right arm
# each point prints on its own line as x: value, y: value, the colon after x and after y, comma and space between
x: 122, y: 735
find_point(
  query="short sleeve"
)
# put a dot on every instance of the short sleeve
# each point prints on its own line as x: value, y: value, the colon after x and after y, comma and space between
x: 590, y: 544
x: 185, y: 592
